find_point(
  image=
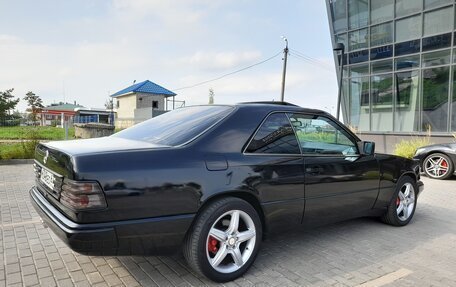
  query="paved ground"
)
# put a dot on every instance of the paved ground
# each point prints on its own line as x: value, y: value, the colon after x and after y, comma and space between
x: 357, y: 252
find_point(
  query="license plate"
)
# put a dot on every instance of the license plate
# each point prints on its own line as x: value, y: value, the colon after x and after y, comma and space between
x: 47, y: 178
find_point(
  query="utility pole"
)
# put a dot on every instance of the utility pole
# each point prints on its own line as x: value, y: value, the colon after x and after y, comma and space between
x: 285, y: 56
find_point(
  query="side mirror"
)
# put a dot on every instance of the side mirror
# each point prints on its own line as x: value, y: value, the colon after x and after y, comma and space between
x: 366, y: 148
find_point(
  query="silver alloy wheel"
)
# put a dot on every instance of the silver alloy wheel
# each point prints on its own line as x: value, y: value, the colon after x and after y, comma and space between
x: 436, y: 166
x: 239, y: 244
x: 405, y: 201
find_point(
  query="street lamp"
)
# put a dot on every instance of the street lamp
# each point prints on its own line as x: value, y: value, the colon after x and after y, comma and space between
x: 340, y: 47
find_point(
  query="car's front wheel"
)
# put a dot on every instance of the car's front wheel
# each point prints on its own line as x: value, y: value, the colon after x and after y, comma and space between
x: 438, y: 166
x: 224, y: 240
x: 402, y: 206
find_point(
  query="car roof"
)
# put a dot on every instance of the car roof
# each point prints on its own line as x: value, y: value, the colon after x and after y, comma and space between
x: 279, y: 106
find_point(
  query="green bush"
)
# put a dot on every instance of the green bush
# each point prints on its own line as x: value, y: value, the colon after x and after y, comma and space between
x: 407, y: 148
x: 11, y: 151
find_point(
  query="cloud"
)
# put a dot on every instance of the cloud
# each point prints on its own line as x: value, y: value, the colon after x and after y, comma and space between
x: 168, y: 12
x: 6, y: 39
x: 221, y: 60
x: 306, y: 85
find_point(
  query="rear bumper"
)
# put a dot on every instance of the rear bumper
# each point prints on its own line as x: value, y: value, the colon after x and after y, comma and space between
x: 151, y: 236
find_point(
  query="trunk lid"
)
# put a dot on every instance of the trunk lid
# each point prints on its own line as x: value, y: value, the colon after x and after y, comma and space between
x: 55, y: 161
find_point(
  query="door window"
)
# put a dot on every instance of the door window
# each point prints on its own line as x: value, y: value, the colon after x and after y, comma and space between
x: 275, y: 136
x: 320, y: 135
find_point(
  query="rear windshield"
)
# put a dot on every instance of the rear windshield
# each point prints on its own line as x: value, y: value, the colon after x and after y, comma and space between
x: 176, y: 127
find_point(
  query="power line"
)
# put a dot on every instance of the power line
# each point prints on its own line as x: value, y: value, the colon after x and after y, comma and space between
x: 309, y: 58
x: 228, y: 74
x: 324, y: 67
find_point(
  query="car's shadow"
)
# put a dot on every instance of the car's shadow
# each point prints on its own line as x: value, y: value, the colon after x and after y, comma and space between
x: 340, y: 251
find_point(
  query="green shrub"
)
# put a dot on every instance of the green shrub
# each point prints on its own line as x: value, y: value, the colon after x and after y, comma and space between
x: 11, y: 151
x: 407, y: 148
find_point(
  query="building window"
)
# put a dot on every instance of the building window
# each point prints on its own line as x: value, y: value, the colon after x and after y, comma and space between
x: 155, y: 104
x: 381, y: 11
x: 406, y: 109
x: 407, y: 7
x: 359, y: 70
x: 118, y: 103
x: 437, y: 42
x: 359, y: 103
x: 381, y: 52
x: 382, y: 102
x: 435, y: 99
x: 409, y: 47
x: 358, y: 40
x: 407, y: 63
x: 436, y: 58
x: 342, y: 38
x: 339, y: 15
x: 435, y: 3
x: 358, y: 13
x: 382, y: 66
x: 408, y: 28
x: 438, y: 21
x: 381, y: 34
x: 358, y: 56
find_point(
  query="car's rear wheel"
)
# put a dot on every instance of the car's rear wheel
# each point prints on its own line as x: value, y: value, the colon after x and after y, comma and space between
x: 438, y: 166
x: 402, y: 206
x: 224, y: 240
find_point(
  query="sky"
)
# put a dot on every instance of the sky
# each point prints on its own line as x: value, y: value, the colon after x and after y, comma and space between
x: 84, y: 51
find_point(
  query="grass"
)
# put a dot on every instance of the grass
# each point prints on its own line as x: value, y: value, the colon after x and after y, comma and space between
x: 14, y: 151
x: 42, y: 133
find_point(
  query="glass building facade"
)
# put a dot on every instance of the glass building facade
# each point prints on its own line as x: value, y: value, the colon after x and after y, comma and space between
x: 399, y: 64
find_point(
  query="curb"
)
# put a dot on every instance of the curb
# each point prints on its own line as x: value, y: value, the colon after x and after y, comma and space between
x: 16, y: 161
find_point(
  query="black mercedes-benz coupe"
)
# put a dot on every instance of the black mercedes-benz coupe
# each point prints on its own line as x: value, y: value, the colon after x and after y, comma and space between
x: 216, y: 180
x: 437, y: 161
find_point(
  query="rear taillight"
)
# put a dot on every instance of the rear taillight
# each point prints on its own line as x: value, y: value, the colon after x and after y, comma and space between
x: 82, y: 195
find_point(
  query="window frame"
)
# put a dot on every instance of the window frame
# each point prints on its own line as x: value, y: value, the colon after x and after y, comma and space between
x: 353, y: 138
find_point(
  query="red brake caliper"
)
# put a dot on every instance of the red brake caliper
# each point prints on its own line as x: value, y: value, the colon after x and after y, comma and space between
x: 444, y: 163
x: 398, y: 201
x: 212, y: 245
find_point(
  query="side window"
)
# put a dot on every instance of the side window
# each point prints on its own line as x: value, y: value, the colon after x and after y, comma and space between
x: 275, y: 136
x: 320, y: 135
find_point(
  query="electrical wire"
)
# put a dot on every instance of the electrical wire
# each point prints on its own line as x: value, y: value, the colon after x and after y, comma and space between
x: 302, y: 55
x: 311, y: 63
x: 324, y: 67
x: 228, y: 74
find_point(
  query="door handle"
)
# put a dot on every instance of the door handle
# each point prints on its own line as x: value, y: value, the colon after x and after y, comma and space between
x: 314, y: 170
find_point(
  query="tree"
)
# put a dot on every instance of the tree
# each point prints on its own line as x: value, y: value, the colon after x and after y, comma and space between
x: 7, y: 103
x: 34, y: 102
x: 109, y: 105
x: 211, y: 96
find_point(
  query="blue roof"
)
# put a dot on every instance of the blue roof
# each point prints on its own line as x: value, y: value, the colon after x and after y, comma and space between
x: 145, y: 87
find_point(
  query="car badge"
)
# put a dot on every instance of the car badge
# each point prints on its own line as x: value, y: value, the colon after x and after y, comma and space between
x: 46, y: 156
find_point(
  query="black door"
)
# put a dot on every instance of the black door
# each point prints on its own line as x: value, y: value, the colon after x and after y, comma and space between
x: 277, y: 172
x: 339, y: 182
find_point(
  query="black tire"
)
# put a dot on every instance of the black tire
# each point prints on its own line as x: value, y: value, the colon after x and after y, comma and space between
x: 196, y: 248
x: 450, y: 164
x: 391, y: 216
